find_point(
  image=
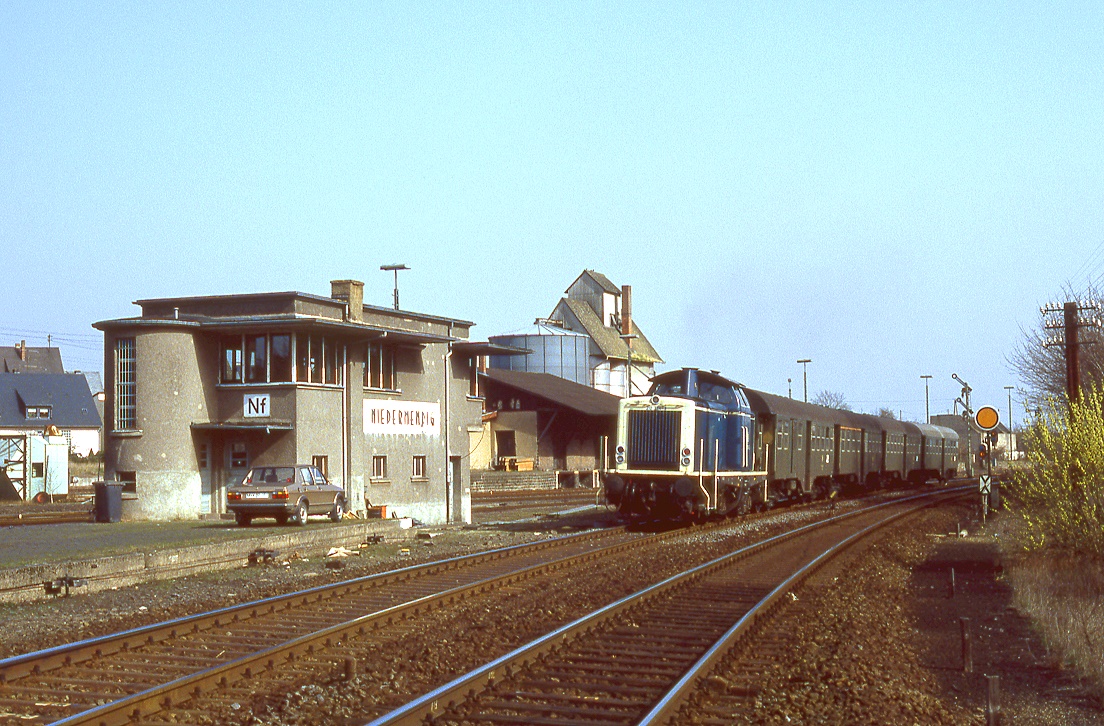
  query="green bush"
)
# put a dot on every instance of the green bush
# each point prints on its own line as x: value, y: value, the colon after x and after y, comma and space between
x: 1060, y: 494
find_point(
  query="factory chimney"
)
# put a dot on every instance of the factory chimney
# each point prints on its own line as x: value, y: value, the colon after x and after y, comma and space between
x: 626, y: 309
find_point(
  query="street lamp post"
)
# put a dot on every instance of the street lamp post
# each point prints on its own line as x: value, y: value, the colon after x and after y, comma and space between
x: 395, y: 269
x: 805, y: 375
x: 1011, y: 441
x: 927, y: 408
x: 628, y: 338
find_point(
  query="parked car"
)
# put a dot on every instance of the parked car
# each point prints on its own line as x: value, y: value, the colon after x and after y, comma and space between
x: 286, y: 493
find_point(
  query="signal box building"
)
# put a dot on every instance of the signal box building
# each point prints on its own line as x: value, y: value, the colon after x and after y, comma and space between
x: 199, y: 389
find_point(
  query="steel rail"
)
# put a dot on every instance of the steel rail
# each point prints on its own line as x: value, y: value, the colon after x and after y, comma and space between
x: 15, y: 667
x: 432, y: 704
x: 667, y: 709
x: 167, y: 695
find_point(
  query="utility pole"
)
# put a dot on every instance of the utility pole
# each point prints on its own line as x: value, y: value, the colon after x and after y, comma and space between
x: 789, y: 385
x: 927, y: 408
x: 395, y: 269
x: 1070, y: 324
x: 1011, y: 445
x: 805, y: 374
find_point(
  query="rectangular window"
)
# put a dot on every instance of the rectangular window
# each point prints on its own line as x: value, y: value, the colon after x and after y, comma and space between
x: 418, y: 470
x: 239, y: 458
x: 379, y: 372
x: 129, y: 480
x: 38, y: 469
x: 256, y: 359
x: 334, y: 361
x: 478, y: 363
x: 125, y: 372
x: 379, y: 467
x: 315, y: 359
x: 204, y: 456
x: 319, y: 462
x: 302, y: 358
x: 279, y: 370
x: 231, y: 347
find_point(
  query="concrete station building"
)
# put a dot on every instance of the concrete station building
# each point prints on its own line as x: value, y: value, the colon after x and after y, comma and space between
x: 199, y: 389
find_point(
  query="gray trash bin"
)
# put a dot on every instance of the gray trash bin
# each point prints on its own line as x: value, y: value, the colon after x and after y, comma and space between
x: 108, y: 505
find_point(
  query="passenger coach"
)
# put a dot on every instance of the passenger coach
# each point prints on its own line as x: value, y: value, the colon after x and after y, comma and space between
x: 700, y: 444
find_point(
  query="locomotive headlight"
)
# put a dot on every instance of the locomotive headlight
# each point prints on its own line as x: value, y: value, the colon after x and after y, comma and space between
x: 686, y: 451
x: 620, y: 449
x: 686, y: 461
x: 620, y: 458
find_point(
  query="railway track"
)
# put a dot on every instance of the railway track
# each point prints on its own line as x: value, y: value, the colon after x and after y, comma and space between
x: 157, y: 669
x: 18, y: 519
x: 640, y: 660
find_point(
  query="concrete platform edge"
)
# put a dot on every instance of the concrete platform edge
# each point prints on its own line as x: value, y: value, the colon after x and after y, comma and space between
x: 25, y: 584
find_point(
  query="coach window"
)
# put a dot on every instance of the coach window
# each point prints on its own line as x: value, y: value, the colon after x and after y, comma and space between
x: 231, y: 359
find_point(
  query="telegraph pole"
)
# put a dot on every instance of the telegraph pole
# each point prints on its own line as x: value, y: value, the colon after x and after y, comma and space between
x: 1070, y: 324
x: 1011, y: 441
x: 805, y: 374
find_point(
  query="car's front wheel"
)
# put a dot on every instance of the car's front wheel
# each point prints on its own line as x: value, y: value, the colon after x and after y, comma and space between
x: 301, y: 512
x: 338, y: 510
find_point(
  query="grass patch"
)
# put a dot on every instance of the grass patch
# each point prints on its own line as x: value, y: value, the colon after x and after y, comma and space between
x: 1064, y: 596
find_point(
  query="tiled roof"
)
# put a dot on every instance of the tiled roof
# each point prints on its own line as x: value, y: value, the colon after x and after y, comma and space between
x: 67, y: 395
x: 584, y: 399
x: 608, y: 339
x: 39, y: 360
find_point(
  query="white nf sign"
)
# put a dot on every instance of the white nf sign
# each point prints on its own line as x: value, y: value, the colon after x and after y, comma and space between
x: 986, y: 483
x: 257, y: 405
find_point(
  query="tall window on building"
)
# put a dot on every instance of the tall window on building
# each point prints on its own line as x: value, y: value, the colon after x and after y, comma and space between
x: 418, y: 469
x: 333, y: 361
x: 379, y: 372
x: 256, y: 358
x: 125, y: 370
x: 478, y: 364
x: 231, y: 347
x: 280, y: 360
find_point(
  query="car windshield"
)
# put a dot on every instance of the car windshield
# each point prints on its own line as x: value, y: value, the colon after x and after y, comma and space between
x: 270, y: 475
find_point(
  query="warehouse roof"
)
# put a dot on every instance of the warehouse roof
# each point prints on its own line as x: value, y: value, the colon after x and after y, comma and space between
x: 560, y: 391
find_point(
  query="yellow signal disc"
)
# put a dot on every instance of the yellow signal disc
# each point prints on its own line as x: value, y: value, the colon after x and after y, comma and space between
x: 987, y: 418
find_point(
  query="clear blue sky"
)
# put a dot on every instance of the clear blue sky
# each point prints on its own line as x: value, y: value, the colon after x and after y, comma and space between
x: 890, y: 189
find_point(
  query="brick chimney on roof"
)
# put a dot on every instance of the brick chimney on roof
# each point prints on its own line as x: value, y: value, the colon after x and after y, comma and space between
x: 22, y: 350
x: 351, y: 292
x: 626, y: 309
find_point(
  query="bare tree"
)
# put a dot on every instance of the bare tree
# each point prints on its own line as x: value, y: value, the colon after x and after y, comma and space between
x: 887, y: 413
x: 1041, y: 368
x: 831, y: 399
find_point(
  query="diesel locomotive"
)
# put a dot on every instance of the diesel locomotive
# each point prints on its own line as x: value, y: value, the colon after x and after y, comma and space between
x: 698, y: 444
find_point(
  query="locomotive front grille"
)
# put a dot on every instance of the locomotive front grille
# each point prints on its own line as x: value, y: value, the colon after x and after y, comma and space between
x: 653, y: 439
